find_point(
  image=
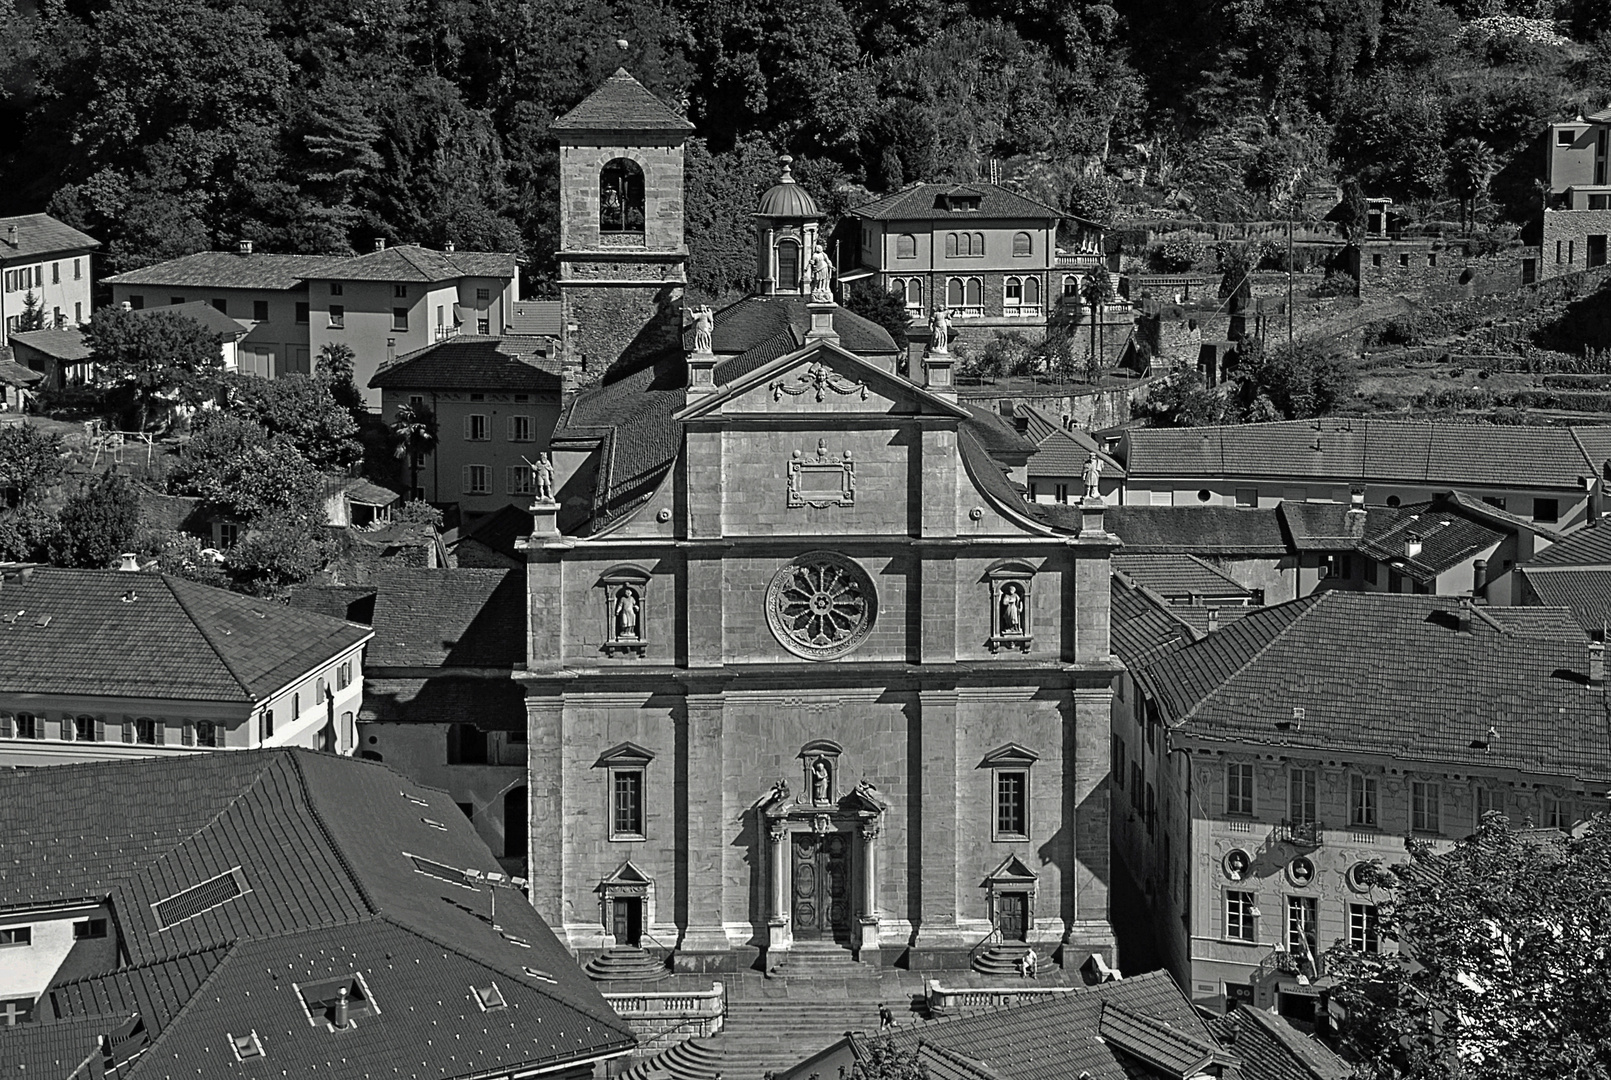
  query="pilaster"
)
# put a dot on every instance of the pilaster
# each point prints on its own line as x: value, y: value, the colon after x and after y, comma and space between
x: 934, y: 832
x: 546, y: 845
x: 704, y: 801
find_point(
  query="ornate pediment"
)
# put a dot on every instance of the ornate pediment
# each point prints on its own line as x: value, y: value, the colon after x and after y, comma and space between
x: 1011, y: 870
x: 625, y: 754
x: 1010, y: 756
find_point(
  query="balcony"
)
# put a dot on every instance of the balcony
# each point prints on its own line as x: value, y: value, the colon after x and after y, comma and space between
x: 1304, y: 834
x: 1023, y: 311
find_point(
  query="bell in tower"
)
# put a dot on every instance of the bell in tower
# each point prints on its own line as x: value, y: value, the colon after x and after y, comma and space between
x: 786, y: 223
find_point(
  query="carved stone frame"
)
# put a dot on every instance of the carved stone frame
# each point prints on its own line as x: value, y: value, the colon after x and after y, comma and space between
x: 825, y: 750
x: 1012, y: 876
x: 625, y: 882
x: 612, y: 584
x: 1003, y: 577
x: 842, y: 470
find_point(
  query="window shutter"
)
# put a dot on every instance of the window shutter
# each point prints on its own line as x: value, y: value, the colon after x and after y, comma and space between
x: 509, y: 422
x: 467, y: 427
x: 128, y: 729
x: 162, y: 731
x: 464, y: 479
x: 67, y: 727
x: 188, y: 736
x: 7, y: 729
x: 100, y: 729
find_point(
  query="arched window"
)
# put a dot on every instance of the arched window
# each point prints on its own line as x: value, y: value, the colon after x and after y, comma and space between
x: 1032, y: 291
x: 1012, y: 292
x: 621, y: 197
x: 906, y: 246
x: 788, y: 265
x: 978, y: 243
x: 975, y: 292
x: 914, y: 294
x: 514, y: 823
x: 1022, y: 244
x: 953, y: 292
x: 1071, y: 285
x: 951, y: 244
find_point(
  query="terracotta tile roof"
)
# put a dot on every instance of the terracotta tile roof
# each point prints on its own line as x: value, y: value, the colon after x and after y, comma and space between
x: 1586, y: 547
x: 355, y: 603
x: 66, y: 345
x: 1357, y: 663
x: 1159, y: 1046
x: 1202, y: 530
x: 1321, y: 526
x: 468, y: 362
x: 1178, y: 574
x: 410, y: 262
x: 39, y: 235
x: 944, y: 1064
x: 537, y: 318
x: 1064, y: 453
x: 325, y: 847
x: 73, y: 632
x: 1364, y: 451
x: 1447, y: 538
x: 1585, y: 593
x: 998, y: 436
x: 55, y: 1051
x: 1596, y: 443
x: 1269, y: 1048
x: 1553, y: 623
x: 621, y: 104
x: 202, y: 313
x: 364, y: 492
x: 1037, y: 425
x: 1057, y: 1037
x: 494, y: 703
x: 756, y: 320
x: 227, y: 270
x: 1144, y: 625
x: 499, y: 530
x: 14, y: 374
x: 921, y: 202
x: 448, y: 618
x: 1205, y: 620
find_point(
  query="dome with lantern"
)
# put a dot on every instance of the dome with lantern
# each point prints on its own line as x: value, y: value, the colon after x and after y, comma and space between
x: 787, y: 199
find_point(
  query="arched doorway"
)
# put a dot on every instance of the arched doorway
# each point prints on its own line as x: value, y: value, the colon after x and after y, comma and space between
x: 788, y: 265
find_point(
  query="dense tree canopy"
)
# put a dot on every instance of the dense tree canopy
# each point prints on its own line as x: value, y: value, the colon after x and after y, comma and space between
x: 167, y: 126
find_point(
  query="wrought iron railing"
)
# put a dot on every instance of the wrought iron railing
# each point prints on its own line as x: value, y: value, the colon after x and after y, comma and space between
x: 992, y: 938
x: 1303, y: 833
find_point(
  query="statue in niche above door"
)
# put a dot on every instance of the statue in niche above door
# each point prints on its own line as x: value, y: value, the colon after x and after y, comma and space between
x: 821, y: 782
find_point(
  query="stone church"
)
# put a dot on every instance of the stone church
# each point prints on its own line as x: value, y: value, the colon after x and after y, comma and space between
x: 808, y: 681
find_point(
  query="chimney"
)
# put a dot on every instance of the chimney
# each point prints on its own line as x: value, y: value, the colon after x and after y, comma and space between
x: 1592, y: 485
x: 448, y: 247
x: 129, y: 563
x: 1213, y: 619
x: 1479, y: 580
x: 126, y: 306
x: 1596, y: 663
x: 380, y: 243
x: 1465, y: 616
x: 1412, y: 545
x: 243, y: 247
x: 341, y: 1009
x: 11, y: 236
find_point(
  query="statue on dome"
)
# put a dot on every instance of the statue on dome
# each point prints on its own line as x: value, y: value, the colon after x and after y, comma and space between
x: 940, y: 327
x: 704, y: 322
x: 821, y: 277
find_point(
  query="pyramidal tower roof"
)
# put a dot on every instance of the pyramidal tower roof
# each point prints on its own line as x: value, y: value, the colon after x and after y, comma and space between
x: 621, y: 104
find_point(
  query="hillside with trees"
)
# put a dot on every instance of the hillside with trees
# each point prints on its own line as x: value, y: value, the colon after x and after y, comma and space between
x: 169, y: 126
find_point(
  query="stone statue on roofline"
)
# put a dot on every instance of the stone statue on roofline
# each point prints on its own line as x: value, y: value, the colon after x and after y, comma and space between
x: 940, y: 328
x: 821, y: 277
x: 1092, y: 475
x: 704, y: 323
x: 542, y: 473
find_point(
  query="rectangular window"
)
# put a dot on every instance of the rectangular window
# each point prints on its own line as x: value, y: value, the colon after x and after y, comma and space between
x: 29, y: 727
x: 522, y: 481
x: 483, y: 327
x: 266, y: 726
x: 78, y: 313
x: 1362, y: 928
x: 136, y: 302
x: 1424, y: 808
x: 1239, y: 789
x: 1404, y: 259
x: 1247, y: 497
x: 55, y: 273
x: 145, y: 731
x: 1061, y: 492
x: 1553, y: 812
x: 521, y: 429
x: 84, y: 728
x: 476, y: 480
x: 1302, y: 796
x: 626, y: 804
x: 1547, y: 510
x: 209, y: 734
x: 221, y: 305
x: 1303, y: 925
x: 78, y: 269
x: 89, y: 928
x: 14, y: 1011
x: 483, y: 296
x: 335, y: 288
x: 175, y: 301
x: 475, y: 427
x: 1241, y: 924
x: 1012, y: 804
x: 16, y: 935
x: 1483, y: 800
x: 399, y: 318
x: 1362, y: 800
x: 338, y: 317
x: 260, y: 310
x: 1495, y: 501
x: 344, y: 675
x: 302, y: 312
x: 1565, y: 137
x: 400, y: 292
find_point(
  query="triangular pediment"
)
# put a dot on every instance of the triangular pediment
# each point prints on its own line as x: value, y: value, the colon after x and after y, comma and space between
x: 627, y: 874
x: 820, y: 375
x: 1012, y: 868
x: 625, y: 754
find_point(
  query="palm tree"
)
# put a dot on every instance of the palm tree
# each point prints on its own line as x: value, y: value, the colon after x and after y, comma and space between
x: 1471, y: 167
x: 1097, y: 291
x: 414, y: 428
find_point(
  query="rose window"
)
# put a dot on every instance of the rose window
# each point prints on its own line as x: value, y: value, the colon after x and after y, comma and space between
x: 821, y: 605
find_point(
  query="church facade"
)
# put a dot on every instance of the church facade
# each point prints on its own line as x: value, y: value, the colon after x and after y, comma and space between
x: 805, y: 672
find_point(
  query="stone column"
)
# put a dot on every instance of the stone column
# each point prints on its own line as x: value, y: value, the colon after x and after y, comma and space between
x: 546, y: 849
x: 705, y: 838
x: 779, y: 935
x: 868, y: 946
x: 934, y: 828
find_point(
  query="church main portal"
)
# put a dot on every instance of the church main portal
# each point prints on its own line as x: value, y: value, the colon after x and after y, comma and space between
x: 821, y: 887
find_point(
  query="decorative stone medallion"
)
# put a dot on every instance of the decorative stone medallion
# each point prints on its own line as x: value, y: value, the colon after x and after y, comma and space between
x: 821, y: 605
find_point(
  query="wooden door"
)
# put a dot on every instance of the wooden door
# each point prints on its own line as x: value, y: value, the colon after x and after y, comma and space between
x: 1012, y: 915
x: 628, y: 920
x: 821, y: 886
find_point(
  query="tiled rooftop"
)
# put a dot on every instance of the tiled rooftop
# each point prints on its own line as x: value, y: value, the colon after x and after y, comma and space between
x: 39, y: 235
x: 1584, y: 548
x: 1178, y: 575
x: 622, y: 103
x: 923, y: 202
x: 1358, y: 664
x: 536, y: 318
x: 106, y: 633
x: 1201, y: 530
x: 1586, y: 593
x: 1269, y: 1048
x: 468, y: 362
x: 448, y: 618
x: 228, y: 270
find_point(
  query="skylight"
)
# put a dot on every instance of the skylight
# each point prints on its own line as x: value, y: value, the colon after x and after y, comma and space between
x: 488, y: 997
x: 200, y: 898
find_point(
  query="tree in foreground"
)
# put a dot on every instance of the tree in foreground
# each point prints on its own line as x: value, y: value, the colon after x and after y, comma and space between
x: 30, y: 460
x: 414, y: 430
x: 886, y: 1061
x: 98, y: 523
x: 886, y: 308
x: 154, y: 357
x: 1504, y: 969
x: 1471, y: 167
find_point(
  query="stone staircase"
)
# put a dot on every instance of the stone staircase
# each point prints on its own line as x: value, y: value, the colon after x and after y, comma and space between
x: 1001, y: 959
x: 626, y: 963
x: 768, y: 1035
x: 820, y: 961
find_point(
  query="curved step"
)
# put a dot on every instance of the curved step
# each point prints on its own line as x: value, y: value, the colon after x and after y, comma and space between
x: 692, y: 1059
x: 626, y: 962
x: 1001, y: 959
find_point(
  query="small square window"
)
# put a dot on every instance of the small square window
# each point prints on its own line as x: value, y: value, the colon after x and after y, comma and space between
x: 1012, y: 804
x: 246, y: 1046
x: 335, y: 288
x: 400, y: 292
x: 483, y: 296
x: 1247, y: 497
x: 1547, y: 510
x: 477, y: 480
x: 221, y: 305
x: 260, y: 310
x: 208, y: 734
x: 84, y: 728
x: 85, y: 929
x: 488, y: 997
x: 338, y: 317
x: 137, y: 302
x: 1565, y: 137
x: 522, y: 481
x: 1376, y: 260
x: 521, y: 429
x: 1404, y: 259
x: 16, y: 935
x: 399, y: 318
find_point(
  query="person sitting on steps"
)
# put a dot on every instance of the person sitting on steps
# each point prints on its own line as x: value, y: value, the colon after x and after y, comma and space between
x: 1027, y: 964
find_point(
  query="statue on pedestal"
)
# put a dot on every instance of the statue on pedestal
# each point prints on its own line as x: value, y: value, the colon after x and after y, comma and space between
x: 821, y: 782
x: 821, y: 277
x: 1092, y: 474
x: 626, y: 615
x: 704, y: 322
x: 1012, y: 610
x: 542, y: 472
x: 940, y: 328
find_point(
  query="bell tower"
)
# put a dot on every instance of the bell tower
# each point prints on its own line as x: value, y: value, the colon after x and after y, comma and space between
x: 623, y: 258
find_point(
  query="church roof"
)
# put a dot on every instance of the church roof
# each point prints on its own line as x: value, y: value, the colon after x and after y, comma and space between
x: 755, y: 321
x: 621, y: 103
x: 924, y: 202
x: 787, y: 199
